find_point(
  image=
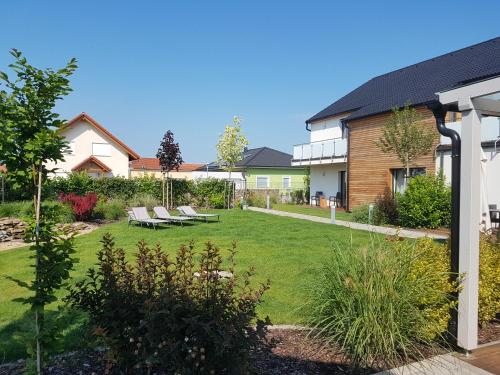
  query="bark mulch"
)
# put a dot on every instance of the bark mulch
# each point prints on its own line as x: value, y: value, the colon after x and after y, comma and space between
x: 291, y: 353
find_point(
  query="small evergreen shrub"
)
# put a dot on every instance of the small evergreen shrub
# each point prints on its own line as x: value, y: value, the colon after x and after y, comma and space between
x: 426, y: 203
x: 382, y: 303
x: 82, y: 206
x: 180, y: 315
x: 112, y: 209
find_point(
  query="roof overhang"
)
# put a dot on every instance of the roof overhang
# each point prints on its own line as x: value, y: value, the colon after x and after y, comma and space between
x: 87, y: 163
x: 88, y: 119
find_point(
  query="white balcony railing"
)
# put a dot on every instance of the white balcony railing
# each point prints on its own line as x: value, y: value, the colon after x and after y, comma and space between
x: 327, y: 149
x: 490, y: 129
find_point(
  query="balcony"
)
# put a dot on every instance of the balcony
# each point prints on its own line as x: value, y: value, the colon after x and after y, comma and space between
x: 330, y: 151
x: 490, y: 130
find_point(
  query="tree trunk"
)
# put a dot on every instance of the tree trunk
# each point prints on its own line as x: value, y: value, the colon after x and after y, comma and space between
x: 39, y: 310
x: 168, y: 205
x: 163, y: 189
x: 407, y: 172
x: 171, y: 193
x: 229, y: 192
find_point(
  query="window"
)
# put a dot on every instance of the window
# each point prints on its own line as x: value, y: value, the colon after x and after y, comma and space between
x: 399, y: 179
x: 287, y: 182
x: 262, y: 182
x: 101, y: 149
x: 71, y: 149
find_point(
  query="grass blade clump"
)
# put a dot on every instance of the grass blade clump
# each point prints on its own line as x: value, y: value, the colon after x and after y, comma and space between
x: 382, y: 304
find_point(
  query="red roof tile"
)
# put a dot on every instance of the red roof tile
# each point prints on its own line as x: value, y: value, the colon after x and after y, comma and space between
x: 153, y: 164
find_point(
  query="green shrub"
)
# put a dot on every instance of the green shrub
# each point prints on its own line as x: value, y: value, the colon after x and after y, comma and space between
x: 115, y: 187
x: 144, y: 200
x: 386, y: 209
x: 378, y: 304
x: 79, y: 183
x: 489, y: 279
x: 360, y: 214
x: 181, y: 316
x: 298, y: 196
x: 426, y: 203
x: 258, y: 198
x: 112, y: 209
x: 58, y: 212
x: 21, y: 209
x: 210, y: 192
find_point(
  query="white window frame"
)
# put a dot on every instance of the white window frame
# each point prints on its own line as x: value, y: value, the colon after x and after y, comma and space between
x: 289, y: 178
x: 94, y: 153
x: 257, y: 182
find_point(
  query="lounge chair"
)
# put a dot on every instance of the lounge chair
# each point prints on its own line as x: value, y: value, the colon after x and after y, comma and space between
x: 163, y: 214
x: 141, y: 216
x: 188, y: 211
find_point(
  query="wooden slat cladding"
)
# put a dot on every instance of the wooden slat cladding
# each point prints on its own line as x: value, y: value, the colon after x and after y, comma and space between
x: 369, y: 169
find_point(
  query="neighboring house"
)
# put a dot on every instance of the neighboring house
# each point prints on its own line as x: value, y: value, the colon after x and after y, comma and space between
x: 261, y: 168
x: 151, y: 167
x: 93, y: 149
x: 342, y: 155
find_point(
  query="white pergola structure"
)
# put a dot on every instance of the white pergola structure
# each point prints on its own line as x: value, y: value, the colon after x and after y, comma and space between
x: 474, y: 101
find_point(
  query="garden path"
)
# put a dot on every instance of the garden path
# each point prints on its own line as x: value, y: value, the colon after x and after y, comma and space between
x: 407, y: 233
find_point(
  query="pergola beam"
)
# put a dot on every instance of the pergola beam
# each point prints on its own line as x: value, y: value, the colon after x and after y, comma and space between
x: 473, y: 102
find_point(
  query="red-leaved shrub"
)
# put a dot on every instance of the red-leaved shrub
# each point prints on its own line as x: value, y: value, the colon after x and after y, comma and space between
x: 82, y: 206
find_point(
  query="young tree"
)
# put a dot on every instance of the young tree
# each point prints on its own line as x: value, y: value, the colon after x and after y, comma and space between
x: 230, y: 149
x: 30, y: 138
x: 170, y: 158
x: 404, y: 137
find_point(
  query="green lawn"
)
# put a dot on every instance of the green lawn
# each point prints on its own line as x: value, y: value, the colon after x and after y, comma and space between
x: 288, y: 251
x: 309, y: 210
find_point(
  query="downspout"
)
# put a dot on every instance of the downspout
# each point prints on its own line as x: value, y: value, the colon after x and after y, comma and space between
x: 439, y: 112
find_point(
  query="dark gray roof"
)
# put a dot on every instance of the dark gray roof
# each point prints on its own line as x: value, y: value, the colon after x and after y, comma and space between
x: 418, y: 83
x: 262, y: 157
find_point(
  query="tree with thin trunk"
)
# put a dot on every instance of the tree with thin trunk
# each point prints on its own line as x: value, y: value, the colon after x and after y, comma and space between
x: 169, y: 155
x: 230, y: 149
x: 30, y: 138
x: 405, y: 137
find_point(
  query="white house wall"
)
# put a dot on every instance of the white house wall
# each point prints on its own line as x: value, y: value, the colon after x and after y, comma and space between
x: 221, y: 175
x: 83, y: 135
x: 325, y: 178
x: 326, y: 129
x: 443, y: 161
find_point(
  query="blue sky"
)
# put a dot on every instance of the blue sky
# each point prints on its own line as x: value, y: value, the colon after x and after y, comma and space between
x: 189, y: 66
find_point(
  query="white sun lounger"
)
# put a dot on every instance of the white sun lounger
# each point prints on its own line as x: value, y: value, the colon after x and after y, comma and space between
x: 188, y: 211
x: 140, y: 215
x: 163, y: 214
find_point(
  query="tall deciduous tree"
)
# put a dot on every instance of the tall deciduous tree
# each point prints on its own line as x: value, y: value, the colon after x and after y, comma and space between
x: 169, y: 155
x: 30, y: 138
x: 405, y: 137
x: 230, y: 149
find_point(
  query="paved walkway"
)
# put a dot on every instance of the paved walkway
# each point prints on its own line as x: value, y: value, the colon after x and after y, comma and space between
x: 371, y: 228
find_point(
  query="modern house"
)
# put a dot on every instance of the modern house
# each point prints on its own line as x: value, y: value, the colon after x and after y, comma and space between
x: 261, y: 168
x: 151, y: 167
x: 342, y: 155
x: 93, y: 149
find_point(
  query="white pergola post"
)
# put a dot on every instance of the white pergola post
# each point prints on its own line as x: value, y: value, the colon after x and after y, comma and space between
x: 473, y: 102
x: 469, y: 229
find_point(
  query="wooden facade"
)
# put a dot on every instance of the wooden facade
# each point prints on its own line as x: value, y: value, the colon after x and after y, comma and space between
x: 369, y: 169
